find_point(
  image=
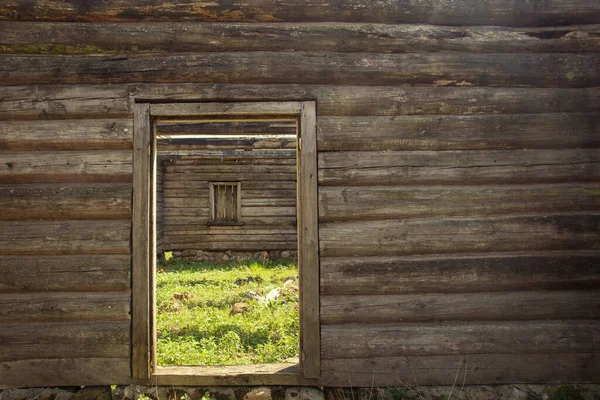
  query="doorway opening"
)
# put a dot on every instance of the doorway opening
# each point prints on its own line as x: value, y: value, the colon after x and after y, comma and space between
x: 227, y: 277
x: 225, y: 199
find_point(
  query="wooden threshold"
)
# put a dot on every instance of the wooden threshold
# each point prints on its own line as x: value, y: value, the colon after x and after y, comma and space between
x: 232, y: 375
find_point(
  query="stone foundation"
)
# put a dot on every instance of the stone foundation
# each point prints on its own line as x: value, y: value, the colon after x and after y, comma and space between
x: 133, y: 392
x: 226, y: 256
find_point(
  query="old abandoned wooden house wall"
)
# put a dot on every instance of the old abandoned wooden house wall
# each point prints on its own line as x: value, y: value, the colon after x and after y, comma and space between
x: 458, y: 176
x: 268, y: 204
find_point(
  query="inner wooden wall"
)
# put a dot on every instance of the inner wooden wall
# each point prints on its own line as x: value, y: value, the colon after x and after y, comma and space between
x: 459, y: 170
x: 268, y: 204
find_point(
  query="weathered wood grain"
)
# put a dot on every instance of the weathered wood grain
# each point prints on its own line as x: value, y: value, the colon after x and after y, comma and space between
x: 181, y: 171
x: 254, y: 143
x: 141, y: 242
x: 64, y: 306
x: 347, y: 203
x: 65, y: 201
x: 21, y: 341
x: 73, y: 273
x: 494, y: 272
x: 79, y: 38
x: 488, y: 12
x: 527, y: 305
x: 474, y: 369
x: 193, y: 187
x: 472, y: 132
x: 439, y: 338
x: 96, y: 134
x: 441, y: 69
x: 242, y: 176
x: 460, y: 235
x: 251, y: 221
x: 113, y: 101
x: 217, y: 375
x: 63, y: 102
x: 212, y: 160
x: 65, y: 237
x: 458, y: 167
x: 64, y: 371
x: 228, y: 245
x: 66, y: 166
x: 239, y: 127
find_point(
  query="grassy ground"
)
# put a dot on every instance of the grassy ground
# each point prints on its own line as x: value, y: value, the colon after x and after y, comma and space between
x: 206, y: 316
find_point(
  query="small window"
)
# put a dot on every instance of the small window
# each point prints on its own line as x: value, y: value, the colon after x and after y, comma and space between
x: 225, y: 203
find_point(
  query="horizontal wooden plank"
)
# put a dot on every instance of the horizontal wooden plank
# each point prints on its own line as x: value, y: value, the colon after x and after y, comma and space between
x: 279, y: 109
x: 101, y: 273
x: 487, y: 12
x: 64, y: 306
x: 246, y: 144
x: 175, y: 171
x: 473, y: 369
x: 439, y: 338
x: 236, y: 127
x: 346, y: 203
x: 65, y: 237
x: 57, y: 38
x: 107, y: 339
x: 111, y: 101
x: 64, y: 371
x: 63, y: 102
x: 182, y: 236
x: 65, y: 201
x: 252, y: 195
x: 248, y: 221
x: 66, y: 166
x: 472, y: 132
x: 255, y: 374
x: 234, y: 246
x: 458, y: 167
x: 440, y: 69
x: 240, y: 159
x: 460, y: 235
x: 247, y: 185
x: 91, y: 134
x: 230, y: 176
x: 459, y: 273
x: 523, y: 306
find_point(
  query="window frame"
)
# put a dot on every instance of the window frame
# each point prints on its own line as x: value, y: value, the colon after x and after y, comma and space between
x: 213, y: 202
x: 143, y: 335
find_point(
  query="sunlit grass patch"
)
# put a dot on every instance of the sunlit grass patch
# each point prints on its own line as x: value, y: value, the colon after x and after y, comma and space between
x: 219, y: 314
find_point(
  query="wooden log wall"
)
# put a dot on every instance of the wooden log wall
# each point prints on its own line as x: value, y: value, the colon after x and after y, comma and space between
x: 459, y: 176
x: 268, y: 204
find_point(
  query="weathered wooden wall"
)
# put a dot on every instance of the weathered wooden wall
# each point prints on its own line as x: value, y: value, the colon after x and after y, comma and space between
x: 268, y: 204
x: 459, y: 172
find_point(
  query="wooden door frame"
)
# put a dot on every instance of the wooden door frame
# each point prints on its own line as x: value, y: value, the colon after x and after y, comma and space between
x: 143, y: 340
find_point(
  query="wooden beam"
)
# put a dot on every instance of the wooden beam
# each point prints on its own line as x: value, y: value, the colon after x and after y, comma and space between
x: 64, y: 237
x: 65, y: 201
x: 93, y: 134
x: 460, y: 235
x: 460, y: 132
x: 549, y: 270
x: 474, y: 369
x: 65, y: 371
x: 366, y: 168
x: 256, y: 374
x: 446, y: 338
x: 100, y: 38
x: 140, y: 330
x: 113, y: 101
x: 66, y: 166
x: 64, y: 306
x: 498, y: 306
x: 73, y: 273
x: 106, y: 339
x: 440, y: 69
x: 479, y: 12
x: 361, y: 203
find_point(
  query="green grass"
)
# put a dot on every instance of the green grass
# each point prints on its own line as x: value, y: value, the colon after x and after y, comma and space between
x: 195, y: 322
